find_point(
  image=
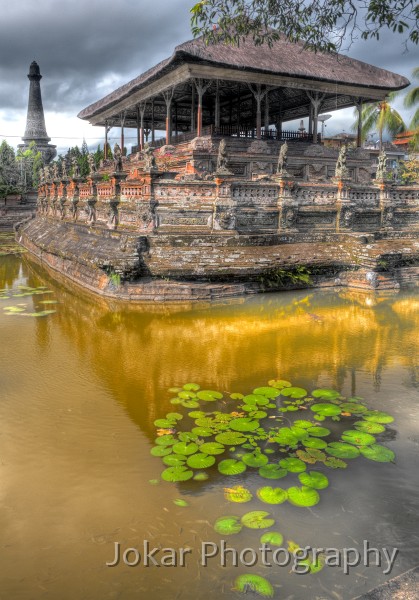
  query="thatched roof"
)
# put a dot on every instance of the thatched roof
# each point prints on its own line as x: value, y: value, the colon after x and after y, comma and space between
x: 282, y: 58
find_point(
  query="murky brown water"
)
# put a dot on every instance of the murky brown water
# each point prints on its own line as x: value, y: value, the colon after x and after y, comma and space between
x: 80, y: 390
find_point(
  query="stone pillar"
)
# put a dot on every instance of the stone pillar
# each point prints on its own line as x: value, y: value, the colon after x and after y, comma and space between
x: 287, y: 204
x: 266, y: 119
x: 153, y: 133
x: 201, y: 88
x: 217, y: 105
x: 358, y: 105
x: 168, y: 97
x: 122, y: 133
x: 258, y: 95
x: 316, y: 100
x: 193, y: 107
x: 140, y: 112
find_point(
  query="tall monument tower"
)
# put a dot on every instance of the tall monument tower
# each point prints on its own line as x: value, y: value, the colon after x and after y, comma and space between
x: 35, y: 122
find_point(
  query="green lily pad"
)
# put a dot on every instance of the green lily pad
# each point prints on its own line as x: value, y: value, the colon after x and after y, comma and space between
x: 165, y: 440
x: 273, y: 538
x: 303, y: 496
x: 358, y: 438
x: 254, y: 583
x: 244, y: 424
x: 174, y: 460
x: 174, y: 416
x: 335, y: 463
x: 212, y: 448
x: 314, y: 479
x: 202, y: 476
x: 178, y: 473
x: 200, y: 461
x: 285, y: 437
x: 272, y: 471
x: 231, y: 466
x: 191, y: 387
x: 205, y: 422
x: 238, y: 493
x: 303, y: 424
x: 257, y: 519
x: 325, y: 394
x: 268, y: 392
x: 161, y: 450
x: 209, y: 395
x: 231, y: 438
x: 180, y: 502
x: 196, y: 414
x: 353, y: 407
x: 255, y: 459
x: 279, y: 383
x: 376, y: 416
x: 293, y: 465
x: 256, y: 400
x: 228, y: 525
x: 341, y: 450
x: 236, y: 396
x: 369, y: 427
x: 164, y: 423
x: 203, y: 431
x: 294, y: 392
x: 258, y: 414
x: 299, y: 432
x: 190, y: 403
x: 377, y: 453
x: 318, y: 431
x: 186, y: 395
x: 326, y: 410
x: 313, y: 442
x: 185, y: 448
x: 271, y: 495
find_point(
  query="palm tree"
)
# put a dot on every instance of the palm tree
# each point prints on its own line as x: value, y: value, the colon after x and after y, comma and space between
x: 382, y: 117
x: 412, y: 99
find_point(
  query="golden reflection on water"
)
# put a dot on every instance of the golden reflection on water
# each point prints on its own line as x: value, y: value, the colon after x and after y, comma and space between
x: 75, y: 470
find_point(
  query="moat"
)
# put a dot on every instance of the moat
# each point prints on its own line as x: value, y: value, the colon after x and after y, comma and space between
x: 84, y: 379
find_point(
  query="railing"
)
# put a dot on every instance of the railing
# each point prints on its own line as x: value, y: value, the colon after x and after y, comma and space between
x: 239, y: 132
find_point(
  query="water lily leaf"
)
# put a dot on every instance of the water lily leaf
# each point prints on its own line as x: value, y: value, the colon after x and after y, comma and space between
x: 352, y: 407
x: 279, y: 383
x: 272, y: 471
x: 228, y: 525
x: 377, y: 416
x: 341, y: 450
x: 254, y: 583
x: 173, y: 416
x: 178, y: 473
x: 185, y: 448
x: 358, y: 438
x: 273, y: 538
x: 191, y: 387
x: 303, y: 424
x: 186, y: 395
x: 175, y: 390
x: 209, y: 395
x: 285, y: 437
x: 255, y: 459
x: 154, y: 481
x: 268, y: 392
x: 293, y: 465
x: 212, y: 448
x: 314, y: 479
x: 313, y: 566
x: 236, y: 396
x: 205, y: 422
x: 164, y: 423
x: 176, y: 401
x: 325, y: 394
x: 271, y: 495
x: 200, y: 461
x: 187, y: 436
x: 161, y: 450
x: 256, y: 400
x: 335, y: 463
x: 196, y: 414
x: 258, y: 414
x: 190, y: 403
x: 318, y: 431
x: 303, y: 496
x: 257, y: 519
x: 313, y: 442
x: 14, y: 309
x: 377, y: 453
x: 202, y: 476
x: 322, y: 418
x: 294, y: 392
x: 174, y: 460
x: 230, y: 438
x: 244, y: 424
x: 203, y: 431
x: 326, y: 410
x: 369, y: 427
x: 180, y: 502
x: 231, y: 466
x: 299, y: 432
x: 238, y: 493
x: 165, y: 440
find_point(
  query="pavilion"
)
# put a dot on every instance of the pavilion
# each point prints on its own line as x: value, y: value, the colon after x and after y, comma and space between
x: 244, y: 91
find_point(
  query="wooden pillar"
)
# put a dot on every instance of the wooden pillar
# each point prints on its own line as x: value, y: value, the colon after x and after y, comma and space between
x: 122, y: 133
x: 258, y: 95
x: 201, y: 88
x: 238, y: 110
x: 176, y: 123
x: 310, y: 120
x: 140, y: 117
x: 358, y: 105
x: 316, y: 100
x: 138, y: 130
x: 279, y: 128
x: 217, y: 106
x: 168, y: 97
x: 153, y: 136
x: 105, y: 150
x: 193, y: 102
x: 266, y: 119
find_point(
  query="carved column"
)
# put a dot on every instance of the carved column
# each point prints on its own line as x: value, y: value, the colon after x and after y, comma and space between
x: 107, y: 130
x: 266, y: 119
x: 258, y: 95
x: 122, y: 132
x: 153, y: 134
x: 358, y: 104
x: 113, y: 215
x: 287, y: 204
x: 193, y: 107
x: 217, y: 105
x: 201, y: 88
x: 316, y: 100
x: 168, y: 97
x: 140, y: 113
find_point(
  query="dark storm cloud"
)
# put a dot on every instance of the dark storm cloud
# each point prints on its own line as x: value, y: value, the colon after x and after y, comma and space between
x: 79, y: 44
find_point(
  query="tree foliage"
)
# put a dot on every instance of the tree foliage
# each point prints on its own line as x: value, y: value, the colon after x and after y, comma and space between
x: 409, y: 172
x: 321, y: 24
x: 380, y: 116
x: 412, y: 99
x: 19, y: 172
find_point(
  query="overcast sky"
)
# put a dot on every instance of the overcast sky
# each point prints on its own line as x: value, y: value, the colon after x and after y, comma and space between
x: 87, y: 48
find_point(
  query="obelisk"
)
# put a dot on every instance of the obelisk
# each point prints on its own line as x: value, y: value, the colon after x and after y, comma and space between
x: 35, y: 121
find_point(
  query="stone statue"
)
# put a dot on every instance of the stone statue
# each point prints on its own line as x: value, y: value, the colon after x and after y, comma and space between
x: 117, y: 158
x: 149, y: 158
x: 47, y: 172
x: 41, y: 176
x: 92, y: 163
x: 341, y: 171
x: 75, y: 167
x: 64, y: 174
x: 55, y: 170
x: 283, y: 159
x: 382, y: 166
x: 222, y: 159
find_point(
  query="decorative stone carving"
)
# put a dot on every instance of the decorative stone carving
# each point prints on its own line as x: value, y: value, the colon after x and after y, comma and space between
x: 202, y: 143
x: 91, y: 212
x: 113, y: 216
x: 62, y: 208
x: 388, y: 216
x: 222, y: 159
x: 149, y: 158
x: 92, y: 163
x: 261, y: 168
x: 289, y: 217
x: 382, y: 166
x: 226, y: 218
x: 64, y: 174
x: 282, y: 160
x: 347, y: 217
x: 145, y: 216
x: 259, y: 147
x: 55, y: 171
x: 117, y: 158
x: 341, y: 171
x: 75, y: 167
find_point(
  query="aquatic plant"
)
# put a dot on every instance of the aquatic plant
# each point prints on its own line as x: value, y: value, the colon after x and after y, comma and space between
x: 235, y: 434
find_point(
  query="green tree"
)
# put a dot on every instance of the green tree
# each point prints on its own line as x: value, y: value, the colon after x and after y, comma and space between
x: 30, y: 161
x: 380, y: 116
x: 320, y: 24
x: 409, y: 172
x: 412, y: 99
x: 9, y: 170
